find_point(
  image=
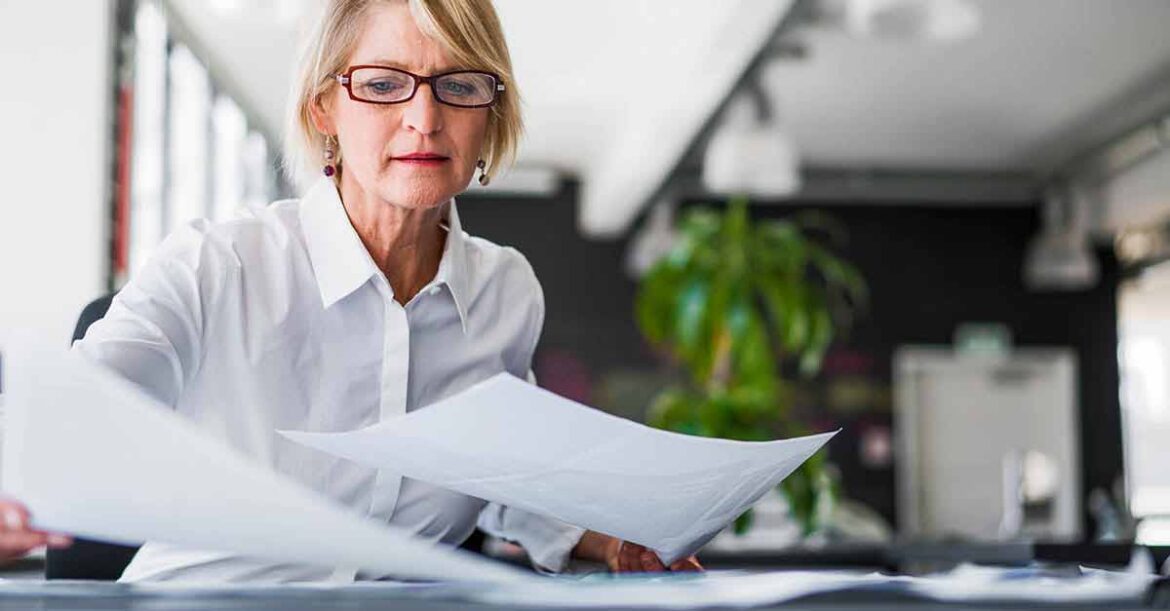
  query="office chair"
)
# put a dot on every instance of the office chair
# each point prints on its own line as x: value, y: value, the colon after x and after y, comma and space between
x: 98, y: 561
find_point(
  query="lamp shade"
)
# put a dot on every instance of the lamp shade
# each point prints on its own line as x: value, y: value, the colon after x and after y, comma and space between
x: 750, y: 156
x: 1060, y: 260
x: 929, y: 20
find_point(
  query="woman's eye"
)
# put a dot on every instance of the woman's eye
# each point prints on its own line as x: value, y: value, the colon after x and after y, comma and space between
x: 382, y: 87
x: 458, y: 88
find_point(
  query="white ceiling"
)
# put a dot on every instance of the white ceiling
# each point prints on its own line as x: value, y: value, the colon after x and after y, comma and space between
x: 615, y: 89
x: 1011, y: 98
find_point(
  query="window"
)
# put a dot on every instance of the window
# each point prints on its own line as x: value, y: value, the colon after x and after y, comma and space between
x: 1144, y: 353
x: 195, y: 151
x: 149, y: 129
x: 188, y: 124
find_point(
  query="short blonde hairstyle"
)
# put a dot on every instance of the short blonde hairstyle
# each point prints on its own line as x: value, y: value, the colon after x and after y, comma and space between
x: 468, y: 29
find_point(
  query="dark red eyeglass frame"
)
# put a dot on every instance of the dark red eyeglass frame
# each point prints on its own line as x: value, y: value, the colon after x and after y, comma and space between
x: 345, y: 79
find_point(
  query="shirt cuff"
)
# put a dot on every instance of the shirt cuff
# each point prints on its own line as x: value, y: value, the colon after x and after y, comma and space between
x: 549, y: 542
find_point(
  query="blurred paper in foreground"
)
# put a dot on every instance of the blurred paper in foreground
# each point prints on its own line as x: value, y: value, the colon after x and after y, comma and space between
x: 510, y: 442
x: 90, y: 454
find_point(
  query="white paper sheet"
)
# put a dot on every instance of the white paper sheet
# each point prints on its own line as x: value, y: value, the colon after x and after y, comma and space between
x: 972, y: 584
x: 507, y: 441
x: 90, y: 454
x: 678, y: 591
x: 966, y: 584
x: 726, y: 589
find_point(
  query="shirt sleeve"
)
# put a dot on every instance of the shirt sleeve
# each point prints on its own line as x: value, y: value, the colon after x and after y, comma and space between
x: 152, y: 333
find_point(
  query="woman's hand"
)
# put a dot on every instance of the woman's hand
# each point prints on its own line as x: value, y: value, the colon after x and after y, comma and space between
x: 17, y: 538
x: 625, y: 557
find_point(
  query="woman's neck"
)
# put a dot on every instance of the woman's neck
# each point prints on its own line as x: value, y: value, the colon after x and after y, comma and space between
x: 405, y: 243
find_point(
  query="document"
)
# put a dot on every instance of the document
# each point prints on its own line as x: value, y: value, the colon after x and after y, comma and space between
x: 965, y: 585
x: 723, y: 589
x: 92, y: 455
x: 982, y: 584
x: 510, y: 442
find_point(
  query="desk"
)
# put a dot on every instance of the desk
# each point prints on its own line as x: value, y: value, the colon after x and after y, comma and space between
x: 917, y: 558
x: 22, y: 589
x: 104, y: 596
x: 109, y: 597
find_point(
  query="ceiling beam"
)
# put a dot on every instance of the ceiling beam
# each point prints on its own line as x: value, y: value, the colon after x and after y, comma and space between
x: 659, y: 139
x: 1120, y: 133
x: 893, y: 188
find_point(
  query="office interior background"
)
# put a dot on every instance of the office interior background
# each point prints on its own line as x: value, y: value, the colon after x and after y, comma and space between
x: 997, y: 172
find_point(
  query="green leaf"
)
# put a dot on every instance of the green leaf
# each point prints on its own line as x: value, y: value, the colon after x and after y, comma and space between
x: 837, y: 272
x: 743, y: 523
x: 824, y: 223
x: 755, y: 363
x: 690, y: 311
x: 675, y: 410
x: 655, y: 302
x: 820, y: 336
x: 786, y: 306
x: 783, y: 249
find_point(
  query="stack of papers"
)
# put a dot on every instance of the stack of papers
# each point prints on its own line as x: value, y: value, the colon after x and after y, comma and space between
x: 966, y: 584
x: 969, y: 585
x: 507, y: 441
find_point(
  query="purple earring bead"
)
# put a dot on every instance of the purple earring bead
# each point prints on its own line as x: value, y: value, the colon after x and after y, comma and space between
x: 329, y: 170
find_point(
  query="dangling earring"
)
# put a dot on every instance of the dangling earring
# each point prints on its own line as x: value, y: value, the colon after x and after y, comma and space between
x: 484, y: 179
x: 330, y: 155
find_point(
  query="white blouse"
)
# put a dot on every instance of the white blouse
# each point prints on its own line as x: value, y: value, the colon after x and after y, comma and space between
x: 281, y: 320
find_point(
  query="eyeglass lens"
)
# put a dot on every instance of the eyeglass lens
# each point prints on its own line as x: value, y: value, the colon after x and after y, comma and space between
x: 384, y: 85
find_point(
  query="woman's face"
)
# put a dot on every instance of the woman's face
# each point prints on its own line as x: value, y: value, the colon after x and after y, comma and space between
x: 374, y: 137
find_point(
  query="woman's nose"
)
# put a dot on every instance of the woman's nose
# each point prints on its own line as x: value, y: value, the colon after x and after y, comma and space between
x: 423, y: 113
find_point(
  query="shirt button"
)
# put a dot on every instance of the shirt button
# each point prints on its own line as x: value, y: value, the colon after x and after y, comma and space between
x: 434, y: 290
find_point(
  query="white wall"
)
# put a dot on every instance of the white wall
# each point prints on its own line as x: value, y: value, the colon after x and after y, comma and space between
x: 54, y: 185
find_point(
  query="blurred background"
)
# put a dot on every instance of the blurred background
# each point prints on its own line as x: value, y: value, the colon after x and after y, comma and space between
x: 938, y: 225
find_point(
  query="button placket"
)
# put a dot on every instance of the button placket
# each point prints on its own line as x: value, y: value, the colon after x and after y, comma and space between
x: 395, y: 372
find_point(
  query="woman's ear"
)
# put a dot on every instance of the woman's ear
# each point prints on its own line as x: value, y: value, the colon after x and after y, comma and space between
x: 322, y: 118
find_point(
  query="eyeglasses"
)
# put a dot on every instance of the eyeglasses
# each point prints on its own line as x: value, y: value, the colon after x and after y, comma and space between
x: 383, y: 85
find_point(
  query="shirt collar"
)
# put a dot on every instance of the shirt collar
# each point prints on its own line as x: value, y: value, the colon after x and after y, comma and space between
x: 341, y: 262
x: 453, y: 266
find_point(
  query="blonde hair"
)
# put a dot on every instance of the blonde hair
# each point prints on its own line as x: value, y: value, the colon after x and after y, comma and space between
x: 468, y: 29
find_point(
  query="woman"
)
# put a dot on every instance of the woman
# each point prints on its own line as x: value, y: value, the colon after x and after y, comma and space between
x: 361, y: 301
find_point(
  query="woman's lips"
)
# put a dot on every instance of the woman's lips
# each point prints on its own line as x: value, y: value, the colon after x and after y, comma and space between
x: 421, y: 160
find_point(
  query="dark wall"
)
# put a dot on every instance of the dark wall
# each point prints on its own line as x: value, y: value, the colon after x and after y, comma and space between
x: 929, y: 269
x: 588, y: 298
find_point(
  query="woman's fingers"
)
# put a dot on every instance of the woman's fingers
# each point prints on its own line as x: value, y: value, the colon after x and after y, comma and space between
x: 630, y: 556
x: 638, y: 559
x: 18, y: 538
x: 651, y: 563
x: 626, y: 554
x: 687, y: 564
x: 13, y: 517
x: 57, y: 540
x: 16, y: 544
x: 634, y: 558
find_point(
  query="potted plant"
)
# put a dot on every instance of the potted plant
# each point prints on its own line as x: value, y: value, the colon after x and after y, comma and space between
x: 733, y: 302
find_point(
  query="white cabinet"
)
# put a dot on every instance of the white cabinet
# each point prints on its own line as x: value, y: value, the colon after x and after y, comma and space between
x: 987, y: 447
